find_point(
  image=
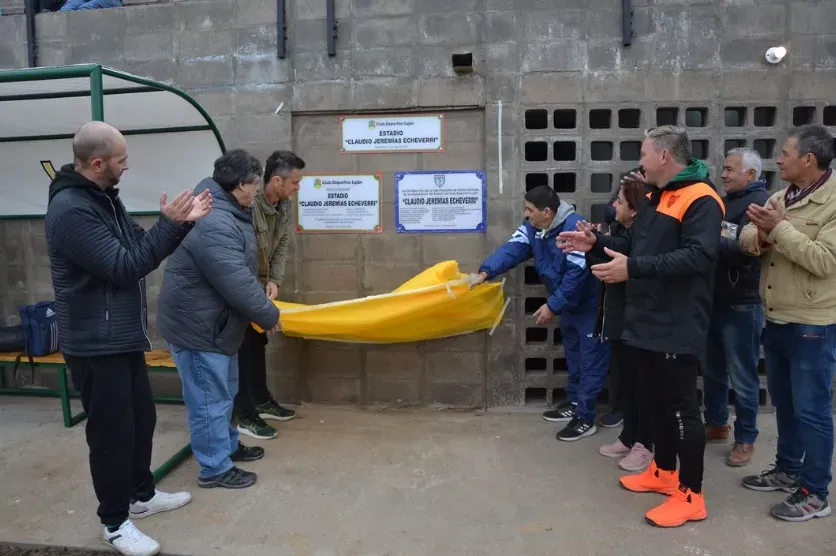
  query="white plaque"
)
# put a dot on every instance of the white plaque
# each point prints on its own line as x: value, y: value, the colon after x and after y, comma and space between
x: 339, y: 203
x: 440, y: 201
x: 376, y: 134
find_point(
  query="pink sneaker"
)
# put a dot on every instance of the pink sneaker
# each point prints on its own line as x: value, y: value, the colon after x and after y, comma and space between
x: 638, y: 459
x: 615, y: 450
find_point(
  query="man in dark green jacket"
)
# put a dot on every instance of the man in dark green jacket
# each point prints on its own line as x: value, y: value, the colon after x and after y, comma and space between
x: 271, y: 220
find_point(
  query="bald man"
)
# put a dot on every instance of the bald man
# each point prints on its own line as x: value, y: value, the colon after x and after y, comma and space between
x: 99, y: 259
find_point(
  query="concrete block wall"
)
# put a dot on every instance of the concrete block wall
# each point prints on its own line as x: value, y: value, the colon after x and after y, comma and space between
x: 574, y: 102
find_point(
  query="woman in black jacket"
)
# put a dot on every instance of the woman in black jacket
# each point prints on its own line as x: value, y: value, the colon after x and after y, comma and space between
x: 634, y: 445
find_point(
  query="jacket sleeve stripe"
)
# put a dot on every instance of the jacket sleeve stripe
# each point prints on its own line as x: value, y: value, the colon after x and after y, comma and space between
x: 520, y: 235
x: 577, y: 258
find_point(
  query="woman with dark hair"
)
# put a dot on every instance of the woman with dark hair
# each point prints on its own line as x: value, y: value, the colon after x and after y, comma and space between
x: 634, y: 445
x: 209, y: 295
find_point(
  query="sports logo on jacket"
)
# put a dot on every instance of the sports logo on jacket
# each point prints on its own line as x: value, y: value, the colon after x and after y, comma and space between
x: 673, y: 199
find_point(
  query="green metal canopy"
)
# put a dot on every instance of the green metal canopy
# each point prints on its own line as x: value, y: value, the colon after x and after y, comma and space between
x: 172, y: 141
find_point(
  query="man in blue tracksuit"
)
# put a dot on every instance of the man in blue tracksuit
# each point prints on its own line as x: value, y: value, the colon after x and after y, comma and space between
x: 573, y: 292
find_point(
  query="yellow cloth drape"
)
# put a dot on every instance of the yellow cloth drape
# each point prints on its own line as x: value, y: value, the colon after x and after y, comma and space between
x: 436, y: 303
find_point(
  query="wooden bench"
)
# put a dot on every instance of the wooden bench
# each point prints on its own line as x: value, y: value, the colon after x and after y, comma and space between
x: 158, y: 360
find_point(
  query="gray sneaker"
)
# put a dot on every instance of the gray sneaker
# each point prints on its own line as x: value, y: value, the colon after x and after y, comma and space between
x: 772, y: 479
x: 801, y: 506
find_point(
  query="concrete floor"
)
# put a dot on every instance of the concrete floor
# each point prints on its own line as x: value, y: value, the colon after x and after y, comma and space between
x: 340, y: 481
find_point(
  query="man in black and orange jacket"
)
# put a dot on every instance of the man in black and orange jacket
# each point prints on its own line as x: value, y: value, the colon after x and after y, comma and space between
x: 669, y: 267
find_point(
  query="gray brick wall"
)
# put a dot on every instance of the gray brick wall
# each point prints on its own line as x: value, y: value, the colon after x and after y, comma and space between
x: 575, y: 101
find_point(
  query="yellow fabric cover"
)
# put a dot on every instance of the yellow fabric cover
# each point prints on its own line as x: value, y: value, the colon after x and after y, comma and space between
x: 436, y: 303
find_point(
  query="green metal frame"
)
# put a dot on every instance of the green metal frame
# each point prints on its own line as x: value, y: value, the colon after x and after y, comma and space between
x: 70, y: 420
x: 96, y: 73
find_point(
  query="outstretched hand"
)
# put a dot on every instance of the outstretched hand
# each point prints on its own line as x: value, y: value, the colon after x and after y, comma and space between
x: 614, y: 271
x: 583, y: 240
x: 186, y: 207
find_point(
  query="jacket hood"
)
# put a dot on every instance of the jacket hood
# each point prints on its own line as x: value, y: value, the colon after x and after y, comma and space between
x: 221, y: 200
x: 694, y: 172
x: 67, y: 177
x: 757, y: 185
x: 564, y: 211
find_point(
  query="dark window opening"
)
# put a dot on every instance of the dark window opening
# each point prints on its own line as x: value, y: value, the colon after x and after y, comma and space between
x: 565, y: 119
x: 629, y: 118
x: 803, y: 115
x: 631, y: 150
x: 601, y: 183
x: 735, y: 116
x: 564, y: 151
x: 536, y: 151
x: 764, y: 147
x: 765, y: 116
x: 536, y: 119
x: 696, y: 117
x: 667, y: 116
x: 600, y: 119
x: 565, y: 182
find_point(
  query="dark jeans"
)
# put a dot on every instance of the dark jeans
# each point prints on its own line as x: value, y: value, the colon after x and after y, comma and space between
x: 588, y: 359
x: 800, y: 362
x: 678, y: 430
x: 252, y: 375
x: 121, y: 416
x: 636, y: 408
x: 733, y: 353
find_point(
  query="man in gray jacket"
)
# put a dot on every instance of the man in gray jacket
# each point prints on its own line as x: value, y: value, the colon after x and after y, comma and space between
x: 209, y: 296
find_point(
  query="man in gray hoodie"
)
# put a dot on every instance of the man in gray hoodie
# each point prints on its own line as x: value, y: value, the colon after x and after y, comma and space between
x: 209, y: 296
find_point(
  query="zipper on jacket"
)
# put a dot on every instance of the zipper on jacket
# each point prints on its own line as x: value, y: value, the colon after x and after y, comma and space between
x: 139, y: 285
x: 142, y: 313
x: 604, y: 317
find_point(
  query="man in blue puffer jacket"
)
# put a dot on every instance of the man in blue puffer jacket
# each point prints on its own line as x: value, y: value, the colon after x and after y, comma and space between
x: 573, y: 292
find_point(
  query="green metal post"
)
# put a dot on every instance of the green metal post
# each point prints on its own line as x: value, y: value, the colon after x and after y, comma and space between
x: 172, y: 462
x: 97, y: 94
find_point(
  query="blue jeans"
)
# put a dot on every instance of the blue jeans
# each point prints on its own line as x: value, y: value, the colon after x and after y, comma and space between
x: 800, y: 362
x: 210, y: 382
x: 733, y: 353
x: 588, y: 359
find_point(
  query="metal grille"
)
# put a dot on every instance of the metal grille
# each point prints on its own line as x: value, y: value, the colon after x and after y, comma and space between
x: 581, y: 151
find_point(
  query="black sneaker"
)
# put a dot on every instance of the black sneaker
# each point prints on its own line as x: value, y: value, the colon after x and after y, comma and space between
x: 576, y: 429
x: 247, y: 453
x: 272, y: 411
x: 772, y: 479
x: 256, y: 428
x: 801, y: 506
x: 611, y: 420
x: 561, y: 414
x: 234, y: 478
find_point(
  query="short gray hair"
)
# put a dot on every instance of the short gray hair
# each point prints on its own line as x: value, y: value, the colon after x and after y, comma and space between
x: 750, y: 158
x: 814, y: 139
x: 674, y: 139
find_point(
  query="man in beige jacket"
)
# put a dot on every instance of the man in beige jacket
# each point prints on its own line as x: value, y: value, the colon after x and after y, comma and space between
x: 271, y: 220
x: 795, y: 233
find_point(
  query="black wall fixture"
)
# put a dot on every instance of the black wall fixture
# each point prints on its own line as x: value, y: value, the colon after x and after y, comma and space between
x: 331, y: 27
x: 29, y: 7
x: 281, y: 30
x: 627, y: 21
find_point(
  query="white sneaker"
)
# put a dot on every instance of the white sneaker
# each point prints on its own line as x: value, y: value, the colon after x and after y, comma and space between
x: 131, y: 541
x: 161, y: 502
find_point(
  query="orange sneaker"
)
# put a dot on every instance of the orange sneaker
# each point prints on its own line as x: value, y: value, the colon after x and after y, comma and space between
x: 681, y: 507
x: 651, y: 480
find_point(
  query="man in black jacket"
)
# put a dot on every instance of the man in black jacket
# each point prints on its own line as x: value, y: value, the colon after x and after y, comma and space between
x: 99, y: 258
x: 669, y: 295
x: 733, y: 347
